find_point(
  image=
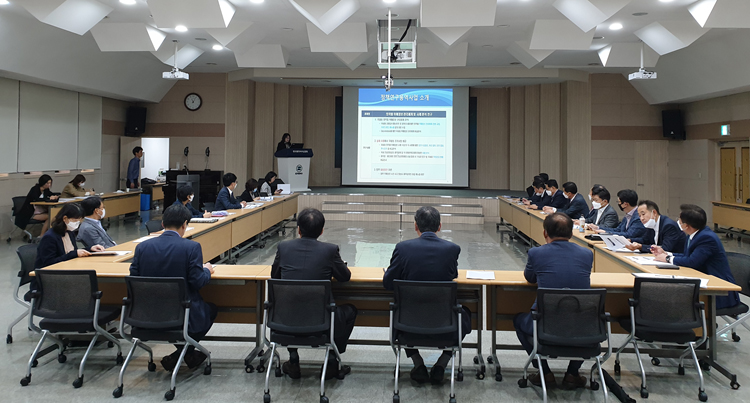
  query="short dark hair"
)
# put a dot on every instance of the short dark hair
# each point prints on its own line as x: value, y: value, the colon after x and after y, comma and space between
x: 44, y: 179
x: 228, y: 178
x: 603, y: 194
x: 628, y: 196
x: 78, y: 180
x: 537, y: 178
x: 650, y: 206
x: 183, y: 192
x: 310, y: 222
x: 270, y: 175
x: 251, y: 184
x: 137, y: 149
x: 70, y: 210
x: 544, y: 176
x: 558, y: 225
x: 427, y: 219
x: 552, y: 183
x: 538, y: 184
x: 597, y: 188
x: 693, y: 216
x: 90, y: 204
x: 570, y: 187
x: 174, y: 216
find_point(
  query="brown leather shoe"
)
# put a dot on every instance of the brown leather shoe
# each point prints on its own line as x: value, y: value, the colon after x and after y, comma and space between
x: 571, y: 382
x: 549, y: 380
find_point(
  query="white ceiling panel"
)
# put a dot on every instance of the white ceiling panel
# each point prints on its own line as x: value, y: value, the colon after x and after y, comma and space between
x: 721, y: 13
x: 444, y: 37
x: 528, y: 57
x: 587, y: 14
x: 627, y: 55
x: 451, y: 13
x: 185, y: 54
x: 429, y: 55
x: 668, y: 36
x: 127, y: 37
x: 559, y: 35
x: 77, y: 16
x: 263, y: 56
x: 191, y: 13
x: 326, y: 14
x: 347, y: 37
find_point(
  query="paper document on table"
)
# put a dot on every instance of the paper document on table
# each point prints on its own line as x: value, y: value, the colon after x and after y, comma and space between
x: 614, y: 242
x: 111, y: 253
x: 651, y: 261
x: 145, y: 238
x: 65, y: 199
x: 189, y: 228
x: 704, y: 281
x: 480, y: 275
x: 252, y: 205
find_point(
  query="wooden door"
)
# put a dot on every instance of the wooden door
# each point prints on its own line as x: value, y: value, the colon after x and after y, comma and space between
x: 652, y: 172
x: 745, y: 177
x: 728, y: 175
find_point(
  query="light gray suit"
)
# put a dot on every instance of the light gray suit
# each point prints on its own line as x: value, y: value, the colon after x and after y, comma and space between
x: 609, y: 218
x: 92, y: 233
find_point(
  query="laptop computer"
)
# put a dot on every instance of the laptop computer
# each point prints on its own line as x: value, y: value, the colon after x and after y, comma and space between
x: 286, y: 189
x: 298, y: 145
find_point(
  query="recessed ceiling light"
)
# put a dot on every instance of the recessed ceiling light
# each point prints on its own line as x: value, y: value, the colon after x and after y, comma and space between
x: 502, y: 26
x: 200, y: 39
x: 363, y: 64
x: 389, y: 1
x: 392, y: 15
x: 666, y: 1
x: 641, y: 14
x: 127, y: 2
x: 180, y: 28
x: 4, y: 2
x: 515, y: 63
x: 615, y: 26
x: 217, y: 47
x: 257, y: 1
x: 287, y: 29
x: 598, y: 37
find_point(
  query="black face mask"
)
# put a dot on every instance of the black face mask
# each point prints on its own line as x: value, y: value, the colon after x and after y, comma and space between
x: 620, y: 206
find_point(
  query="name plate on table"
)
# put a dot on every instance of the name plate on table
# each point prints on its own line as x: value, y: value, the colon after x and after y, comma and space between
x: 294, y: 153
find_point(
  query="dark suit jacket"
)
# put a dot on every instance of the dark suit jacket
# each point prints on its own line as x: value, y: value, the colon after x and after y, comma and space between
x: 51, y: 249
x: 530, y: 191
x: 541, y: 201
x: 706, y: 254
x: 195, y: 213
x: 671, y: 237
x: 576, y: 208
x: 170, y: 255
x: 559, y: 264
x: 27, y: 210
x: 282, y: 146
x: 557, y: 200
x: 225, y: 200
x: 635, y: 231
x: 309, y: 259
x: 249, y: 196
x: 427, y: 258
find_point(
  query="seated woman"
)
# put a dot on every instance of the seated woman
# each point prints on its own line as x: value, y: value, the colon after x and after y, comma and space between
x: 266, y: 187
x: 59, y: 243
x: 251, y: 192
x: 185, y: 196
x: 38, y: 193
x: 75, y: 188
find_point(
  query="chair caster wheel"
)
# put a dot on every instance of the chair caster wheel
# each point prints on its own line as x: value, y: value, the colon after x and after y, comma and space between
x: 734, y: 385
x: 207, y: 370
x: 460, y: 376
x: 523, y: 383
x: 278, y: 373
x: 119, y: 360
x: 110, y: 344
x: 644, y: 393
x: 78, y: 383
x: 704, y: 365
x: 617, y: 368
x: 9, y: 339
x: 476, y: 360
x: 452, y: 400
x: 151, y: 367
x: 266, y: 398
x: 260, y: 369
x: 34, y: 364
x: 499, y: 377
x: 25, y: 381
x: 323, y: 399
x: 117, y: 392
x: 249, y: 369
x: 681, y: 370
x: 480, y: 375
x: 655, y: 361
x: 169, y: 395
x: 702, y: 396
x: 396, y: 398
x: 489, y: 360
x: 736, y: 337
x: 62, y: 358
x: 594, y: 385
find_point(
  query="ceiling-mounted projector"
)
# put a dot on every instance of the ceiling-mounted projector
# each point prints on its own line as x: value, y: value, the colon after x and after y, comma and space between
x: 175, y: 74
x: 642, y: 74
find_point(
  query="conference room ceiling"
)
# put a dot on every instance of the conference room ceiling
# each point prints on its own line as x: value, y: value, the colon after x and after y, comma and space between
x: 522, y: 41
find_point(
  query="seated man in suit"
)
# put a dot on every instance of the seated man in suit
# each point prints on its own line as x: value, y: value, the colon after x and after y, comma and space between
x: 594, y: 189
x: 558, y: 264
x: 171, y: 255
x: 662, y: 230
x: 630, y: 227
x: 703, y: 251
x: 306, y: 258
x: 542, y: 177
x: 576, y: 207
x: 91, y: 232
x: 225, y: 200
x: 540, y: 197
x: 557, y: 198
x: 603, y: 214
x: 427, y: 258
x: 185, y: 196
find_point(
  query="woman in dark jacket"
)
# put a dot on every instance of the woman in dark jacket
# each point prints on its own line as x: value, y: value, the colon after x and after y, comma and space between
x: 59, y: 243
x: 251, y: 192
x: 38, y: 193
x: 286, y: 142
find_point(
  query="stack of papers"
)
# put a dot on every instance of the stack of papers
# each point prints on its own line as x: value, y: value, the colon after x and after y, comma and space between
x: 145, y: 238
x: 111, y: 253
x: 704, y: 281
x: 480, y: 275
x: 65, y: 200
x: 252, y: 205
x: 615, y: 243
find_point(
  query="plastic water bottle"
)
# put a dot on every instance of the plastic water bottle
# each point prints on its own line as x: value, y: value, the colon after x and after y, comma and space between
x: 581, y: 224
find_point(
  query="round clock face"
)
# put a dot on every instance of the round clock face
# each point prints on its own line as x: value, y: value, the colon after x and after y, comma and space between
x: 193, y: 102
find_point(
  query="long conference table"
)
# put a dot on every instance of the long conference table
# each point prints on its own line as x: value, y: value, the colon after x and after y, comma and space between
x: 116, y: 203
x: 735, y: 217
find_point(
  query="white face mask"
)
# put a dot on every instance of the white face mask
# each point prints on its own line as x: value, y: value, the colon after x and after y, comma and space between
x: 190, y: 198
x: 589, y: 197
x: 596, y: 205
x: 73, y: 225
x: 650, y: 224
x: 549, y: 193
x: 82, y: 184
x: 680, y: 224
x: 539, y: 194
x: 566, y: 196
x: 104, y: 213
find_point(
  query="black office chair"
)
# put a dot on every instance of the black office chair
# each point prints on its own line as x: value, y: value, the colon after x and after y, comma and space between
x: 739, y: 264
x: 27, y: 256
x: 426, y: 315
x: 300, y: 314
x: 17, y: 205
x: 209, y: 206
x: 570, y: 324
x: 153, y: 226
x: 157, y: 309
x: 69, y: 301
x: 665, y: 311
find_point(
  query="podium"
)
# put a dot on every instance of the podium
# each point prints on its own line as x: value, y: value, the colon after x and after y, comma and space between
x: 294, y: 167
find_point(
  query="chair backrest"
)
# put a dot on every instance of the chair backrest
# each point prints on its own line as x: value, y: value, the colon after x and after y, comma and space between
x: 571, y: 317
x: 739, y: 264
x: 17, y: 204
x: 667, y: 304
x: 209, y: 206
x: 27, y: 256
x: 65, y: 294
x: 153, y: 226
x: 299, y: 306
x: 425, y: 307
x: 156, y: 302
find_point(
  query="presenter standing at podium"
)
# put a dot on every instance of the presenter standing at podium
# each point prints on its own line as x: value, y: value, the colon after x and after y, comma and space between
x: 286, y: 142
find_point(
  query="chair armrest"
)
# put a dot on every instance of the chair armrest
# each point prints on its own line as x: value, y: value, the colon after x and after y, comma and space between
x: 186, y: 303
x: 392, y: 306
x: 701, y: 305
x: 35, y: 294
x: 535, y: 314
x: 97, y: 294
x: 332, y: 307
x: 608, y: 318
x: 632, y: 302
x: 458, y: 308
x: 267, y: 305
x: 126, y: 301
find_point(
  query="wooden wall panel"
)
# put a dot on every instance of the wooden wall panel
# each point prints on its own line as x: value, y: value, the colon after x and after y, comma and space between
x: 516, y: 122
x: 319, y: 128
x: 296, y: 113
x: 250, y: 129
x: 549, y: 132
x: 280, y: 116
x: 492, y: 139
x: 652, y: 171
x: 531, y: 132
x: 264, y: 144
x: 576, y: 132
x: 236, y: 128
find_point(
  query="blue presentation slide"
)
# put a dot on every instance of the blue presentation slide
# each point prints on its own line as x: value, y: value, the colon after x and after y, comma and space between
x: 405, y: 136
